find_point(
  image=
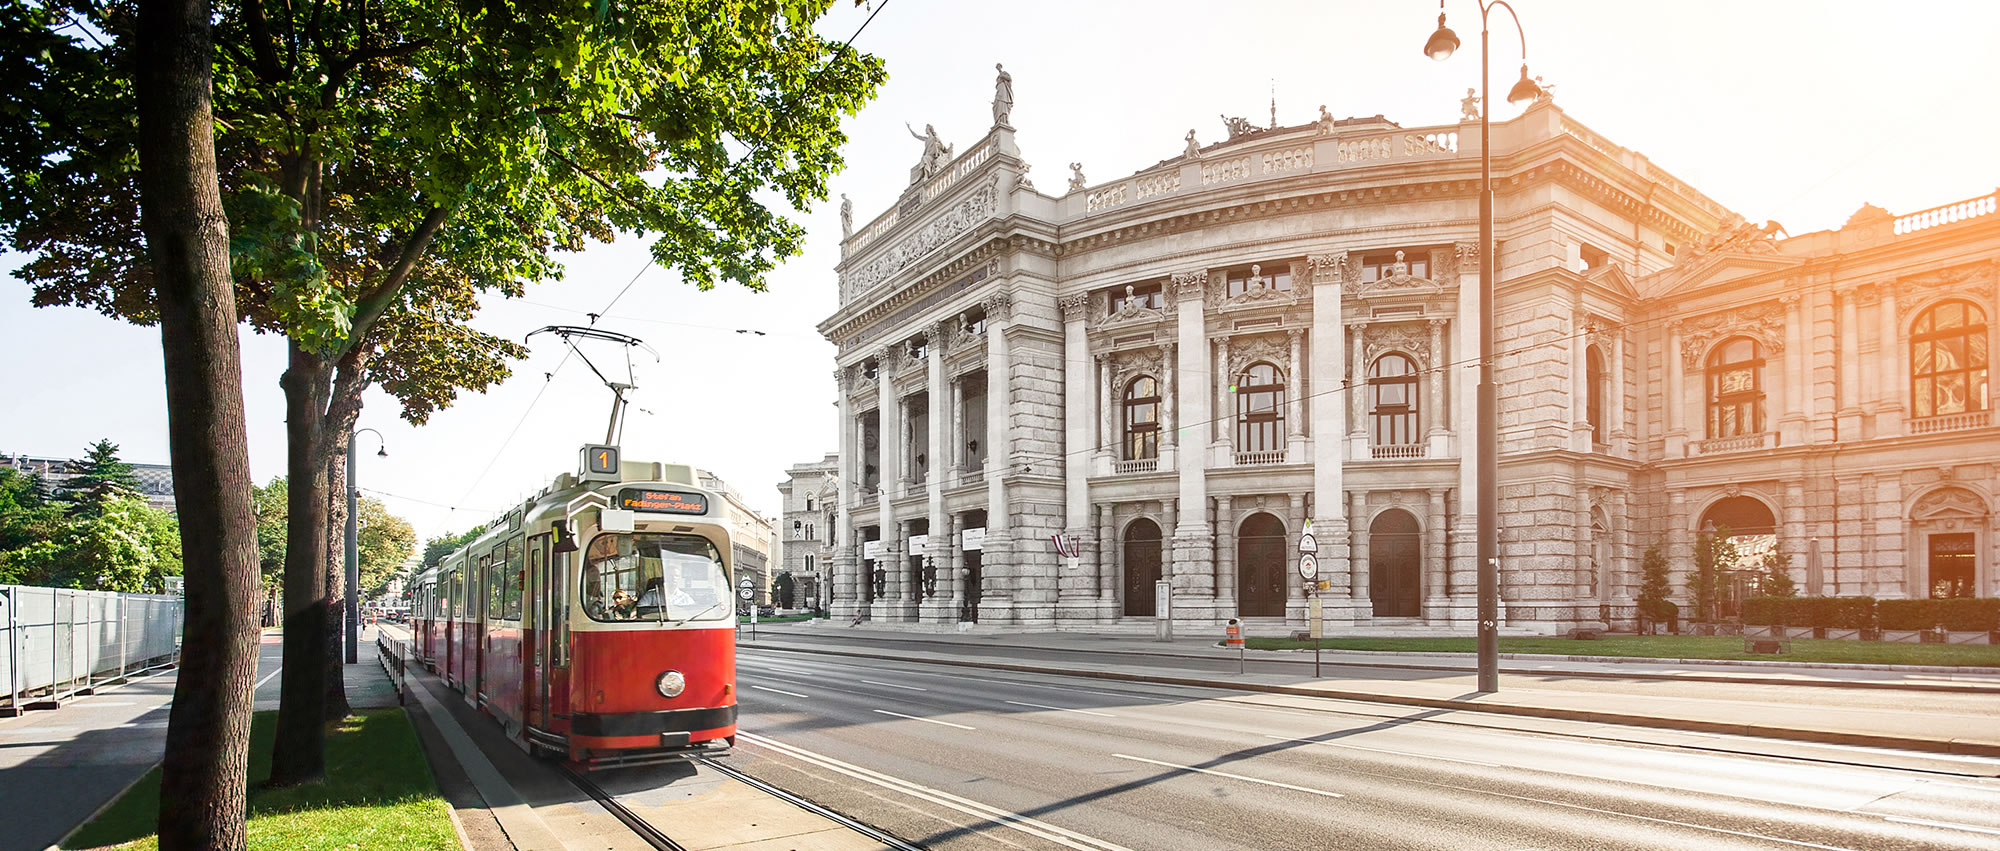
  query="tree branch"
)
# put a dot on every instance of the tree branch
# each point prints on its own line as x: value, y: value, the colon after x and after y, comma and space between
x: 337, y: 75
x: 376, y: 300
x: 267, y: 66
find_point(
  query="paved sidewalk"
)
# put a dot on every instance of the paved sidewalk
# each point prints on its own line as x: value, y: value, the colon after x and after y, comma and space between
x: 1968, y: 723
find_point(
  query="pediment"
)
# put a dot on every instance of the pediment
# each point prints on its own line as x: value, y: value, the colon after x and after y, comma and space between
x: 1613, y: 278
x: 1949, y: 503
x: 1719, y: 268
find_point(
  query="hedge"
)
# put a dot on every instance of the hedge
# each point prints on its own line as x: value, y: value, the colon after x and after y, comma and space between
x: 1958, y: 614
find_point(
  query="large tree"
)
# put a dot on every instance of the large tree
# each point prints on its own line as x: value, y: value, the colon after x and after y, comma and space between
x: 202, y: 778
x: 386, y: 162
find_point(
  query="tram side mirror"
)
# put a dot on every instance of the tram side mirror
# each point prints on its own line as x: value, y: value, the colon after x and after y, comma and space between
x: 565, y: 540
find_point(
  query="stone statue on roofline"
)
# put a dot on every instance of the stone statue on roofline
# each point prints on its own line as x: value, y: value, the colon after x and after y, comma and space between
x: 1003, y: 96
x: 1469, y: 107
x: 846, y: 216
x: 1325, y: 121
x: 936, y: 155
x: 1193, y: 151
x: 1076, y: 179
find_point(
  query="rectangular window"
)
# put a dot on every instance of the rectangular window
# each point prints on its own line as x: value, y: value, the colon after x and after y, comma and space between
x: 1375, y: 267
x: 1274, y: 276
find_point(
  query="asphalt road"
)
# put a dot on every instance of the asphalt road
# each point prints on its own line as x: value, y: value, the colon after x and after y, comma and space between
x: 952, y: 758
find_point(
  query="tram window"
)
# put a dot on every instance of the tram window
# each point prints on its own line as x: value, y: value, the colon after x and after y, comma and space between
x: 559, y: 607
x: 654, y: 577
x: 511, y: 578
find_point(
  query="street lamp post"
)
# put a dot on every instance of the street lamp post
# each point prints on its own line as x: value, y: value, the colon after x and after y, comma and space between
x: 354, y: 545
x: 1440, y: 47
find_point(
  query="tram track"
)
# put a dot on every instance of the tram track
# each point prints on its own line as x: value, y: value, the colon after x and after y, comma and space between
x: 657, y: 838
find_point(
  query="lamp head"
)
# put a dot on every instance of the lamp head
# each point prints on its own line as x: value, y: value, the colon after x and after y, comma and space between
x: 1442, y: 43
x: 1524, y: 91
x: 382, y: 452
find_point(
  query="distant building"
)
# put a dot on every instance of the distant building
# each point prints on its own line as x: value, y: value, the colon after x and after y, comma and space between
x: 751, y: 540
x: 156, y: 481
x: 808, y: 498
x: 1051, y: 402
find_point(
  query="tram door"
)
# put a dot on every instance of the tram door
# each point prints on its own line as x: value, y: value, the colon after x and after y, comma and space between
x: 534, y: 635
x: 483, y: 598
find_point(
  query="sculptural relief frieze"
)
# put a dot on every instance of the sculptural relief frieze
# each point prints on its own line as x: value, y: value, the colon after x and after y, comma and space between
x: 1973, y: 280
x: 1409, y: 338
x: 961, y: 217
x: 1189, y: 284
x: 1245, y: 350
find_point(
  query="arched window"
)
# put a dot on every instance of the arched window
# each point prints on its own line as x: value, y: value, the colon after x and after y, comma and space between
x: 1392, y: 388
x: 1735, y: 389
x: 1948, y: 361
x: 1142, y: 419
x: 1597, y: 389
x: 1260, y: 409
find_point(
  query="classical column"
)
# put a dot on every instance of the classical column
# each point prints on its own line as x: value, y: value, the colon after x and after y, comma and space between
x: 1191, y: 557
x: 949, y: 558
x: 889, y: 454
x: 1170, y: 421
x: 1680, y: 546
x: 1329, y: 365
x: 1357, y: 565
x: 1224, y: 412
x: 939, y: 545
x: 1107, y: 559
x: 1294, y: 414
x: 1615, y: 400
x: 1847, y: 417
x: 1436, y: 568
x: 846, y: 555
x: 1225, y: 557
x: 1798, y: 371
x: 1889, y: 354
x: 1581, y: 437
x: 1295, y: 523
x: 956, y: 452
x: 996, y: 554
x: 1584, y: 550
x: 1676, y: 393
x: 1076, y: 591
x: 1622, y: 556
x: 1107, y: 411
x: 1357, y: 394
x: 1440, y: 425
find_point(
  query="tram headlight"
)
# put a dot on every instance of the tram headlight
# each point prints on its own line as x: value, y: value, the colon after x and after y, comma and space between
x: 671, y: 684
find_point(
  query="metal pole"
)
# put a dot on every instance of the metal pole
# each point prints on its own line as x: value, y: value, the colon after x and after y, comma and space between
x: 1489, y: 416
x: 353, y: 560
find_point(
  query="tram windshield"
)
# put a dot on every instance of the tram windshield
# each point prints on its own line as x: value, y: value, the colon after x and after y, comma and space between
x: 654, y: 577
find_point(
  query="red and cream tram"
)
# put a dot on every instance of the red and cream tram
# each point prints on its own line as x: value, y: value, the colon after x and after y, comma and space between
x: 595, y: 620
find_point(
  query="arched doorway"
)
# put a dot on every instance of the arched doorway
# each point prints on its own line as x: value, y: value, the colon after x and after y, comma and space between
x: 1753, y: 533
x: 1260, y: 567
x: 1142, y: 567
x: 1395, y: 564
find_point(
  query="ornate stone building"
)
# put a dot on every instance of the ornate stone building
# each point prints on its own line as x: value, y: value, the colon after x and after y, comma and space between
x: 807, y: 498
x: 1175, y: 371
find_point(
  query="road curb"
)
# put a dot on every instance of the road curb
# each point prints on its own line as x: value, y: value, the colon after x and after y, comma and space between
x: 1958, y: 747
x: 1285, y: 656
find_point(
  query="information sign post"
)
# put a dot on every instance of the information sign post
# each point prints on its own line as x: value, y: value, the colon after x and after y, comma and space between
x: 1309, y: 571
x: 746, y: 588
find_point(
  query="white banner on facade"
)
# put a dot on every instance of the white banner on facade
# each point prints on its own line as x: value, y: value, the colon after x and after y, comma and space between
x: 871, y: 549
x: 918, y: 542
x: 973, y: 538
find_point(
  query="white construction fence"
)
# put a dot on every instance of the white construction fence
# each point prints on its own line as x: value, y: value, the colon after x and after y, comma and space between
x: 60, y: 642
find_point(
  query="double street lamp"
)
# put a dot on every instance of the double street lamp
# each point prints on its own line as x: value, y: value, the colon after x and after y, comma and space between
x: 1440, y: 47
x: 354, y: 543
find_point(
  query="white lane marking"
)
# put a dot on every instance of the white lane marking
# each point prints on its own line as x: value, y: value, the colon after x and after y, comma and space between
x: 1231, y: 776
x: 267, y: 678
x: 1004, y: 818
x: 1382, y: 750
x: 1943, y: 824
x: 111, y: 703
x: 1131, y: 697
x: 1062, y: 709
x: 781, y: 691
x: 925, y: 720
x: 893, y: 685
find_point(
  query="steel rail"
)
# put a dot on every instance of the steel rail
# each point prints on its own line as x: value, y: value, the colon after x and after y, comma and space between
x: 887, y: 840
x: 640, y: 826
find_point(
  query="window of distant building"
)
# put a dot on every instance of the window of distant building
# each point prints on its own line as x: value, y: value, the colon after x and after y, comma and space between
x: 1597, y: 388
x: 1948, y: 361
x: 1260, y: 409
x: 1735, y: 388
x: 1142, y: 419
x: 1392, y: 384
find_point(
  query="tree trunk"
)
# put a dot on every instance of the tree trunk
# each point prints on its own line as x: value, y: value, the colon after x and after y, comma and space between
x: 299, y: 753
x: 336, y: 576
x: 207, y: 753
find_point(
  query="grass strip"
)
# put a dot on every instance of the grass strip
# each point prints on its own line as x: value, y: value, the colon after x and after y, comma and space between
x: 1674, y: 647
x: 378, y: 793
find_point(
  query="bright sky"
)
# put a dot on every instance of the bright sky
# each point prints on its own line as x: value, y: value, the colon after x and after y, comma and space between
x: 1793, y: 111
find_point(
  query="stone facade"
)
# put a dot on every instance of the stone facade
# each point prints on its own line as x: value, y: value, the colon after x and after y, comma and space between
x: 807, y: 498
x: 1179, y: 369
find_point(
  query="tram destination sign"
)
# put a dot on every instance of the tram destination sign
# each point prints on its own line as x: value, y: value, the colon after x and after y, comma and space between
x: 657, y: 501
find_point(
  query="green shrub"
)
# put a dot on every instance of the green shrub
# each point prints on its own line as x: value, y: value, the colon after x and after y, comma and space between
x: 1762, y: 611
x: 1969, y: 614
x: 1840, y: 612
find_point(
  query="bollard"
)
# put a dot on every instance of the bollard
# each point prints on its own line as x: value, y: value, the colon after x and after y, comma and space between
x: 1233, y: 636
